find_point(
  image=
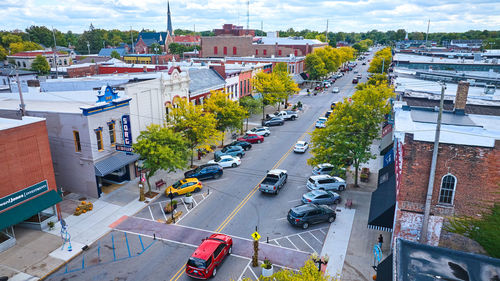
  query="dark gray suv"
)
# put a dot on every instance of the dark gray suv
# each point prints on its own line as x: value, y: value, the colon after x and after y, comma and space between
x: 307, y: 214
x: 275, y: 121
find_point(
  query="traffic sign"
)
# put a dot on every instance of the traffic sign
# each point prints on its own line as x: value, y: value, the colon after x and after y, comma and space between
x: 255, y: 236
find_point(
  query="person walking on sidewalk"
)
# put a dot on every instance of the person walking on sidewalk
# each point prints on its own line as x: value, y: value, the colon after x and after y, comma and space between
x: 380, y: 241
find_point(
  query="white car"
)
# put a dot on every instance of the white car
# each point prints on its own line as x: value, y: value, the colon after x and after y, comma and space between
x: 335, y: 90
x: 326, y: 182
x: 301, y: 147
x: 321, y: 123
x: 226, y: 161
x: 261, y: 131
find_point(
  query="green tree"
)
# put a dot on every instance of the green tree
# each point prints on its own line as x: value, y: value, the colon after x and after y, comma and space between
x: 156, y: 48
x: 381, y: 61
x: 176, y: 48
x: 376, y: 79
x: 229, y: 114
x: 290, y: 87
x: 8, y: 39
x: 3, y: 53
x: 40, y: 65
x: 41, y: 35
x: 161, y: 148
x: 23, y: 46
x: 197, y: 126
x: 351, y: 129
x: 315, y: 66
x: 281, y: 67
x: 115, y: 54
x: 251, y: 105
x: 270, y: 87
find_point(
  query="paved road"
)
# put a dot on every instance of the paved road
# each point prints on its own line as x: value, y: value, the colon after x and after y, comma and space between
x: 234, y: 206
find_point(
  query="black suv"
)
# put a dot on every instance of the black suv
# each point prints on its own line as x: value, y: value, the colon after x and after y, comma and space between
x: 205, y: 171
x: 307, y: 214
x: 245, y: 145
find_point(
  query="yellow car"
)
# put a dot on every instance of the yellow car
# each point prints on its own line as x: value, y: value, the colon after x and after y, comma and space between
x: 184, y: 186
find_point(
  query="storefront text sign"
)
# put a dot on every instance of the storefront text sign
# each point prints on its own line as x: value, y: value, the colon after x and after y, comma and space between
x: 23, y: 195
x: 127, y: 134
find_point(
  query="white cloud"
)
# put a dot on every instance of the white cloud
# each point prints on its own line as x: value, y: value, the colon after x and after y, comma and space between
x: 343, y: 15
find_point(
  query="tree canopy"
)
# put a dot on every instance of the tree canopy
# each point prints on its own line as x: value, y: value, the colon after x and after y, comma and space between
x: 325, y: 60
x: 269, y: 86
x: 40, y: 65
x: 381, y: 61
x: 161, y: 148
x: 251, y: 106
x: 115, y: 54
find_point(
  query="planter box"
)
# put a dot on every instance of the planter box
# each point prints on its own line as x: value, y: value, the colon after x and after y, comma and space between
x: 188, y: 199
x: 267, y: 272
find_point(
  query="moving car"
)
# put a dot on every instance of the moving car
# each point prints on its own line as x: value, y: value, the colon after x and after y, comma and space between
x: 230, y: 150
x: 226, y: 161
x: 321, y: 123
x: 208, y: 256
x: 321, y: 197
x: 355, y: 81
x: 322, y: 169
x: 307, y: 214
x: 274, y: 181
x: 245, y: 145
x: 261, y: 131
x: 325, y: 182
x: 275, y: 121
x: 335, y: 90
x: 184, y: 186
x: 359, y: 76
x: 300, y: 147
x: 251, y: 138
x: 206, y: 171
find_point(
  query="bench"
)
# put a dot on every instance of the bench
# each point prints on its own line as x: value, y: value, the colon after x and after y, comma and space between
x: 348, y: 203
x: 160, y: 183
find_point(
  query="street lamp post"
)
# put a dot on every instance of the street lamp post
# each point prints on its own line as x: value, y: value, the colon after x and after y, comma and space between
x: 171, y: 196
x: 139, y: 166
x: 88, y: 47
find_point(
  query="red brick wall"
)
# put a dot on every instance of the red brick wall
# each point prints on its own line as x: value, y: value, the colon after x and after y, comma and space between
x: 477, y: 170
x: 25, y: 158
x: 243, y: 45
x: 83, y: 71
x: 245, y: 76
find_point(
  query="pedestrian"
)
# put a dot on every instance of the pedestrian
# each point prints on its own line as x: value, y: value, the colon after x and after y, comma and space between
x: 380, y: 241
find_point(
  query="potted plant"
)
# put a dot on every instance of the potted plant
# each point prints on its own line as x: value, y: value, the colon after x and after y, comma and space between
x: 188, y: 198
x: 299, y: 105
x: 51, y: 225
x: 170, y: 207
x: 267, y: 268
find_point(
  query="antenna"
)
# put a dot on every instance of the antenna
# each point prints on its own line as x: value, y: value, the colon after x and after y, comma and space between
x: 326, y: 32
x: 262, y: 25
x: 132, y: 40
x: 248, y: 14
x: 427, y: 35
x: 55, y: 50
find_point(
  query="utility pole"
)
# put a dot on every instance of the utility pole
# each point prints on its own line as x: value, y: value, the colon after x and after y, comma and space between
x: 22, y: 105
x: 262, y: 26
x: 248, y: 15
x: 427, y: 34
x: 326, y: 32
x: 55, y: 51
x: 430, y: 186
x: 383, y: 65
x: 88, y: 46
x: 132, y: 39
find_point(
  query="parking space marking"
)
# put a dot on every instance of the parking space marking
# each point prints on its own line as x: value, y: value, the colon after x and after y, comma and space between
x: 151, y: 212
x: 294, y: 200
x: 280, y: 219
x: 164, y: 216
x: 314, y: 236
x: 194, y: 200
x: 307, y: 244
x: 322, y: 231
x: 292, y: 243
x: 277, y: 243
x: 244, y: 270
x: 255, y: 275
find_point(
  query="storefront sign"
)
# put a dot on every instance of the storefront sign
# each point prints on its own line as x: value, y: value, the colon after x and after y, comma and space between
x: 125, y: 148
x: 389, y: 157
x: 23, y: 195
x: 127, y: 134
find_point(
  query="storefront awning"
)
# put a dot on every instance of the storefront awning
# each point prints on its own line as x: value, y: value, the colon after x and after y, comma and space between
x: 383, y: 201
x: 28, y: 209
x: 113, y: 163
x: 384, y: 269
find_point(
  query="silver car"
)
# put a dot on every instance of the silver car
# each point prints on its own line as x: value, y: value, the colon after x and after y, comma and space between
x: 325, y: 182
x: 322, y: 169
x: 321, y: 197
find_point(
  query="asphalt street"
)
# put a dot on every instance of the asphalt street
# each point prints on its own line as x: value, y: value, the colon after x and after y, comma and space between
x: 233, y: 206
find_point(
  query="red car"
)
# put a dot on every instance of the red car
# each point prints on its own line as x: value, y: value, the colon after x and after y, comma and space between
x: 204, y: 261
x: 252, y: 138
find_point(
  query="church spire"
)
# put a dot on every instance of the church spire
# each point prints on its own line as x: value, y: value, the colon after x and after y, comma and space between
x: 169, y: 20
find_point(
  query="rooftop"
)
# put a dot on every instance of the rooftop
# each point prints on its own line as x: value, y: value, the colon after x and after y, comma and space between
x: 471, y: 129
x: 441, y: 60
x: 204, y: 80
x: 36, y: 53
x: 271, y: 59
x: 7, y: 123
x: 287, y: 41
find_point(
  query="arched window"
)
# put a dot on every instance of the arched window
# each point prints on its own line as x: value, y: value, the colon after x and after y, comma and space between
x: 447, y: 192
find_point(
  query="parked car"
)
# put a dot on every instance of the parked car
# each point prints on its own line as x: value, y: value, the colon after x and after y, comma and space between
x: 205, y: 260
x: 226, y: 161
x: 317, y: 88
x: 355, y: 81
x: 286, y: 114
x: 322, y: 169
x: 335, y: 90
x: 359, y: 76
x: 230, y: 150
x: 307, y: 214
x: 301, y: 147
x: 327, y: 84
x: 245, y: 145
x: 275, y: 121
x: 274, y: 181
x: 364, y: 63
x: 205, y: 171
x: 251, y: 138
x: 332, y: 106
x: 325, y: 182
x: 355, y: 71
x: 184, y: 186
x: 261, y: 131
x: 328, y: 113
x: 321, y: 123
x: 321, y: 197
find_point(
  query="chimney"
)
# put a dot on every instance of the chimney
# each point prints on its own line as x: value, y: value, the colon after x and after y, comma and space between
x: 461, y: 97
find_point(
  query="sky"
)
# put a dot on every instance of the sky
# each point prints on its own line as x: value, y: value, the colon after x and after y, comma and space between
x: 199, y: 15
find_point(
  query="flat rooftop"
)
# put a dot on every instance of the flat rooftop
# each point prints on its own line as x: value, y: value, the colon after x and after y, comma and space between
x: 437, y: 60
x: 8, y: 123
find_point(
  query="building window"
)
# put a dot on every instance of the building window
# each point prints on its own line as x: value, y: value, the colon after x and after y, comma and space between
x: 215, y: 50
x: 76, y: 137
x: 264, y: 52
x: 98, y: 135
x: 112, y: 135
x: 234, y: 50
x: 245, y: 86
x: 447, y: 192
x: 24, y: 64
x: 248, y: 86
x: 295, y: 52
x: 256, y: 52
x: 279, y: 52
x: 241, y: 87
x: 225, y: 50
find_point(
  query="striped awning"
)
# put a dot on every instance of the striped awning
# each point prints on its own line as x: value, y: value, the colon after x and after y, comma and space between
x: 116, y: 161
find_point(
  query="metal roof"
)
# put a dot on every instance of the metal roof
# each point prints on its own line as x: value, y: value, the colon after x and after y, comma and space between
x: 204, y: 80
x: 113, y: 163
x: 448, y: 118
x: 106, y: 52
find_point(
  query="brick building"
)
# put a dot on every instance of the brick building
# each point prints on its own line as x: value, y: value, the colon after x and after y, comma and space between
x: 28, y: 192
x: 467, y: 170
x: 233, y: 30
x: 188, y: 40
x: 295, y: 65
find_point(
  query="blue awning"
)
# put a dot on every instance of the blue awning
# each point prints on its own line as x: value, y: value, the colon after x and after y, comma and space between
x: 113, y: 163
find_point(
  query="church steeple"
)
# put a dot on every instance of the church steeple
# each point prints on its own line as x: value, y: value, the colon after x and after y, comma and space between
x: 169, y: 20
